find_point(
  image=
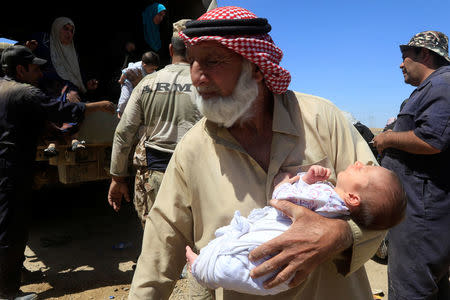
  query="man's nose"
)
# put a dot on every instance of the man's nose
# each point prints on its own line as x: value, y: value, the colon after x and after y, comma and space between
x: 198, y: 74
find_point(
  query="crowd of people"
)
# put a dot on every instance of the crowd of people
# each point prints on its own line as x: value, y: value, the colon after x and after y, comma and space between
x: 260, y: 189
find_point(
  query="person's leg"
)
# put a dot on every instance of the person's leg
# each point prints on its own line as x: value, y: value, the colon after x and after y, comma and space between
x: 402, y: 271
x: 444, y: 287
x: 13, y: 235
x: 140, y: 194
x: 153, y: 184
x: 146, y: 188
x: 418, y: 251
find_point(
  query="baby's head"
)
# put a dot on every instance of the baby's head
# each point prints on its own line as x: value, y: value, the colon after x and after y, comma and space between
x: 150, y: 61
x: 373, y: 194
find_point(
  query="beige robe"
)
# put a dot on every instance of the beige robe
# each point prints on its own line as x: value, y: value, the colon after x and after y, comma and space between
x: 210, y: 176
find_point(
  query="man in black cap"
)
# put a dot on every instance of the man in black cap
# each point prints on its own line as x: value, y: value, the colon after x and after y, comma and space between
x: 417, y: 150
x: 23, y: 112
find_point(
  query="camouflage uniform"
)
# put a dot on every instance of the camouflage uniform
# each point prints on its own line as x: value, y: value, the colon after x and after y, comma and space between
x: 146, y: 183
x: 164, y: 103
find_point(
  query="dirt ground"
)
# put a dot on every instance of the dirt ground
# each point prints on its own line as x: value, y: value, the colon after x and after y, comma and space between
x: 79, y: 248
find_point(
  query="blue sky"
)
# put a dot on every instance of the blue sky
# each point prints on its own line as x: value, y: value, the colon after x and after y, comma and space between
x: 347, y: 51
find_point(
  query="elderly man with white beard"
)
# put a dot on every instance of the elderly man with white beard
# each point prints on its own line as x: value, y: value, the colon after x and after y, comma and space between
x: 253, y: 128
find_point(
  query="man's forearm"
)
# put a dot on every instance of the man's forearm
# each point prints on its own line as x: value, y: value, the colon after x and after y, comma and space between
x: 123, y: 143
x: 119, y: 164
x: 121, y: 179
x: 119, y: 157
x: 345, y: 236
x: 407, y: 141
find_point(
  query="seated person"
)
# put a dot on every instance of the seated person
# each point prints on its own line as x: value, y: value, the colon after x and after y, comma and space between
x: 64, y: 133
x: 148, y: 65
x: 372, y: 196
x: 62, y: 76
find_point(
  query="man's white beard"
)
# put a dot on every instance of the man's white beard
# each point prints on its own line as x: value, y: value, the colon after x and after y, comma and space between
x: 225, y: 111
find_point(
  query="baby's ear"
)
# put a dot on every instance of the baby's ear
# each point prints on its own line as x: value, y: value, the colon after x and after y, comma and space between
x: 352, y: 199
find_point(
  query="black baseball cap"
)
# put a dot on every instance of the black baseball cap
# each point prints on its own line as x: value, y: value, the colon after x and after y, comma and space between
x: 19, y: 55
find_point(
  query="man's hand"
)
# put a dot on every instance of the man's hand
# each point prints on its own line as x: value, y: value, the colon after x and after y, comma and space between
x: 316, y: 173
x: 134, y: 77
x: 311, y: 240
x: 92, y: 84
x: 32, y: 45
x: 104, y: 105
x: 73, y: 96
x: 383, y: 141
x: 117, y: 189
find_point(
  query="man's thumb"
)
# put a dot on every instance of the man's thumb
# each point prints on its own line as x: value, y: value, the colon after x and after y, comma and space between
x: 126, y: 195
x: 286, y: 207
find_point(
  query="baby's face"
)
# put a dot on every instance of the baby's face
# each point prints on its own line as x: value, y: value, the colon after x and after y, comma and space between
x: 149, y: 68
x: 356, y: 177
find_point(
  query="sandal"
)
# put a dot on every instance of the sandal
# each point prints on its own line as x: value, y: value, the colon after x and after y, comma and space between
x: 50, y: 152
x: 78, y: 145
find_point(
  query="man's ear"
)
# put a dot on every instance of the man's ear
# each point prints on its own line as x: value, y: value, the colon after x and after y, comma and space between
x: 353, y: 199
x: 170, y: 50
x: 257, y: 74
x: 20, y: 70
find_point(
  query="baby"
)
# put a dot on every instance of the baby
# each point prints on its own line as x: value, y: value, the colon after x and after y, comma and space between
x: 148, y: 65
x: 372, y: 196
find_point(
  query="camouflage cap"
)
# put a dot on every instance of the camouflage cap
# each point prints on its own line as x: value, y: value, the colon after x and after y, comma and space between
x: 179, y: 26
x: 432, y: 40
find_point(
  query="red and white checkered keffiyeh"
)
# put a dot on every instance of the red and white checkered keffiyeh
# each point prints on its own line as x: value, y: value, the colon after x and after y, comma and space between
x: 259, y: 49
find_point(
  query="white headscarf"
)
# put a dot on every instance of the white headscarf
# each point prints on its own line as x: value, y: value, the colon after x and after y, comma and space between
x: 64, y: 57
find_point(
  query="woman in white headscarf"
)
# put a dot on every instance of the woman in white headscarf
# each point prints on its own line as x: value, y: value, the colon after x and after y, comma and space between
x: 62, y: 52
x: 62, y: 71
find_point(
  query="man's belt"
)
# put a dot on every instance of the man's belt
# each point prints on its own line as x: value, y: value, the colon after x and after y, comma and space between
x: 157, y: 160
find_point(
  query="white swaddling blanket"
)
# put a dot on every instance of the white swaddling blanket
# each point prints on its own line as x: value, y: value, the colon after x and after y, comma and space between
x: 224, y: 261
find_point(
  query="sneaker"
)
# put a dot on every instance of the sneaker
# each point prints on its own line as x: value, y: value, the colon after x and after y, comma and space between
x: 78, y: 145
x: 381, y: 256
x: 22, y: 296
x: 50, y: 152
x: 26, y: 296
